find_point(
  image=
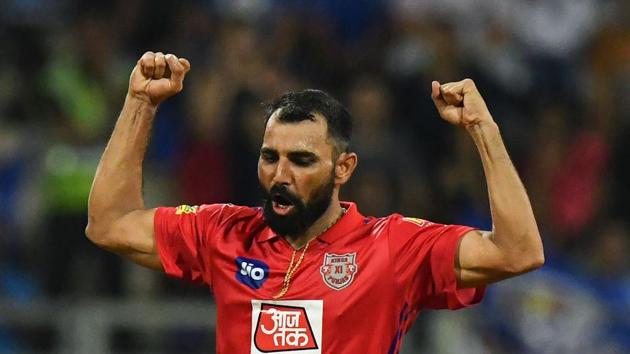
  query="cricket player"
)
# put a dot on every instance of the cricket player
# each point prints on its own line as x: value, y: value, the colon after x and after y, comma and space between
x: 305, y: 272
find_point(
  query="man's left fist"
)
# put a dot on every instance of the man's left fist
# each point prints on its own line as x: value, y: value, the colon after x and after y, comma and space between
x: 460, y: 103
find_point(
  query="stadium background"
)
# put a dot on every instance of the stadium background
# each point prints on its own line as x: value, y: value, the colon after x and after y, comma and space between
x: 555, y: 74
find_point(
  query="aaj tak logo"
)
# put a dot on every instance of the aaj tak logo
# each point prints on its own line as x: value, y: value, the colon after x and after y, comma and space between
x: 338, y: 270
x: 287, y: 326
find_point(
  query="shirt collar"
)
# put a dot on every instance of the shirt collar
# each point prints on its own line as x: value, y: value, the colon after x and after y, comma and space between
x: 348, y: 222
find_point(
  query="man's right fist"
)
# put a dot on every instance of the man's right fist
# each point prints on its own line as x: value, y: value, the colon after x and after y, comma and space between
x: 157, y: 77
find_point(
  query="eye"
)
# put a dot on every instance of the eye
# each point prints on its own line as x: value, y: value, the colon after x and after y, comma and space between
x: 268, y: 157
x: 303, y: 162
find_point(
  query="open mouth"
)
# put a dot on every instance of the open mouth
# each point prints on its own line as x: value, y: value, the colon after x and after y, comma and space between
x: 281, y: 205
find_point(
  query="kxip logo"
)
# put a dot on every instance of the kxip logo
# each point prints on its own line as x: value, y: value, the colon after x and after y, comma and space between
x: 339, y: 270
x: 251, y: 272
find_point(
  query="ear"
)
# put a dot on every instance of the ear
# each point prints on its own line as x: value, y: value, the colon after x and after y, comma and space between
x: 344, y: 167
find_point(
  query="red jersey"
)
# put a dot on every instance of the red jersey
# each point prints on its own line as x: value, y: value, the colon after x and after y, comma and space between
x: 358, y: 289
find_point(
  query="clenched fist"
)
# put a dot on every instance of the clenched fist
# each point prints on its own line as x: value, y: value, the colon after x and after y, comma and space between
x: 157, y: 77
x: 460, y: 103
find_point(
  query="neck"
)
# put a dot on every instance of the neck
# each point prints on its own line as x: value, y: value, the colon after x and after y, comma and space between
x: 326, y: 221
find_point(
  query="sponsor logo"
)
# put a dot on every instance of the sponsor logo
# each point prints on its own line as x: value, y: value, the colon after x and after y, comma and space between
x: 251, y: 272
x: 290, y: 326
x: 338, y: 270
x: 186, y: 209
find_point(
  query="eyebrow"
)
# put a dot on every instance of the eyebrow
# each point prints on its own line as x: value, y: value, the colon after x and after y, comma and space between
x: 301, y: 154
x: 267, y: 150
x: 297, y: 154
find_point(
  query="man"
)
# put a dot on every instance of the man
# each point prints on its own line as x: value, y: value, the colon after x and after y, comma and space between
x: 307, y: 273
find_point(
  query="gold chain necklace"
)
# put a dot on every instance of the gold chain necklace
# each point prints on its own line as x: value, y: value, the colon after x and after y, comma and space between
x: 292, y: 268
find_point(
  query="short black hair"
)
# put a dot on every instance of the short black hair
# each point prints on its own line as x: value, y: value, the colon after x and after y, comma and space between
x: 297, y: 106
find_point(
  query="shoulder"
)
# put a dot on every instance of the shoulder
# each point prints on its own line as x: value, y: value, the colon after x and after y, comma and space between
x: 218, y: 214
x: 398, y: 222
x: 228, y: 210
x: 230, y: 214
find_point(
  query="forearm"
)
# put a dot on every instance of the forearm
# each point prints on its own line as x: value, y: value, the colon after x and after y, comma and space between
x: 117, y: 186
x: 515, y: 232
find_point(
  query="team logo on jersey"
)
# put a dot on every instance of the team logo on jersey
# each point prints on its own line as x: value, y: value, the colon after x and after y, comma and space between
x: 285, y: 327
x: 251, y: 272
x: 338, y: 270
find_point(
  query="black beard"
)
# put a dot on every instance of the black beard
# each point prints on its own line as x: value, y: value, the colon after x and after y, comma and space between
x: 303, y: 215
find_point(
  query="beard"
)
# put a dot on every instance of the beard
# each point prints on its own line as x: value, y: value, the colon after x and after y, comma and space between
x: 303, y: 214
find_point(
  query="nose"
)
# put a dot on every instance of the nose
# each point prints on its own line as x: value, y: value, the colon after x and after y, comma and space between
x: 283, y: 173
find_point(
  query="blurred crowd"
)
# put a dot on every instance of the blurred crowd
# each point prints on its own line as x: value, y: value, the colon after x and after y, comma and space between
x: 555, y: 74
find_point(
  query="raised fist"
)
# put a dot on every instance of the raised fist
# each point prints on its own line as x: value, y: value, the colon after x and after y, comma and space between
x: 157, y: 77
x: 460, y: 103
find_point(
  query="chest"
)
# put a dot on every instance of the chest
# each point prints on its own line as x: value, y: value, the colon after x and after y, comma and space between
x: 333, y: 288
x: 341, y: 274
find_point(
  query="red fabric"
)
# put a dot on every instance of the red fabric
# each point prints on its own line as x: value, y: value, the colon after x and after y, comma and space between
x: 400, y: 266
x: 425, y: 254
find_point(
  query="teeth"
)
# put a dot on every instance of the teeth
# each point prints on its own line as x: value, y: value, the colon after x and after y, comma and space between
x: 282, y: 206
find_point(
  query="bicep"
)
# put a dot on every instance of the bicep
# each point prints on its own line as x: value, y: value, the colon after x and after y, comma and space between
x: 134, y: 238
x: 479, y: 261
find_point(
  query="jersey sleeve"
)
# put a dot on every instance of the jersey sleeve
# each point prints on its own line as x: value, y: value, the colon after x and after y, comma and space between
x: 184, y: 239
x: 423, y: 254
